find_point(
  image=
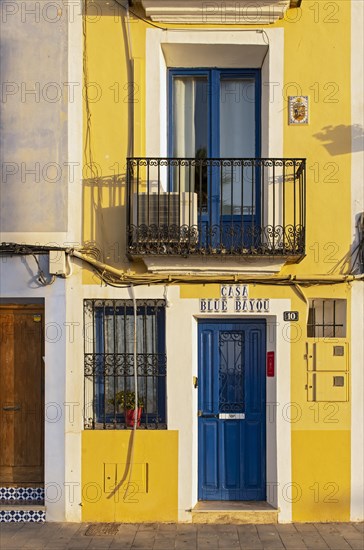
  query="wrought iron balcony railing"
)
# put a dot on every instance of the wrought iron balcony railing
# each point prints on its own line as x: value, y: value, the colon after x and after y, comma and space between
x: 185, y: 206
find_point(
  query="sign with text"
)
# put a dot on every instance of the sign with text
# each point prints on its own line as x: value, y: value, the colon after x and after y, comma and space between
x: 234, y: 291
x: 234, y: 299
x: 290, y: 316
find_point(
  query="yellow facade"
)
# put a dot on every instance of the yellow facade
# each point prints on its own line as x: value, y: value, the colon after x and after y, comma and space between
x: 320, y: 430
x: 325, y: 141
x: 129, y: 477
x: 321, y: 475
x: 317, y: 54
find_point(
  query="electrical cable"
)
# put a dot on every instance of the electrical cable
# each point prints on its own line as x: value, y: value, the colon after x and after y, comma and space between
x: 16, y: 249
x: 357, y: 263
x: 165, y: 296
x: 135, y: 360
x: 69, y: 267
x: 41, y: 276
x: 345, y: 259
x: 89, y: 160
x: 140, y: 17
x: 187, y: 25
x: 118, y: 278
x: 121, y: 279
x: 303, y: 296
x: 130, y: 71
x: 264, y: 34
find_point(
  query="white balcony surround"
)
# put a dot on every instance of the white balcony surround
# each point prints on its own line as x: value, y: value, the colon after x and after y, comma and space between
x: 200, y: 48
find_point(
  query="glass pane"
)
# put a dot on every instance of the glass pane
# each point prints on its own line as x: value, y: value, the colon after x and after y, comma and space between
x: 190, y: 108
x: 237, y: 140
x: 190, y: 139
x: 231, y: 383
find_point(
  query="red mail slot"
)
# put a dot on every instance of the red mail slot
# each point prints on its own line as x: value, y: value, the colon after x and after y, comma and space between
x: 270, y: 363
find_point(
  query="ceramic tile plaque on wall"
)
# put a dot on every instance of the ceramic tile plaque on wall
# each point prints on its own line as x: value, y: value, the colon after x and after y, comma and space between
x: 298, y: 109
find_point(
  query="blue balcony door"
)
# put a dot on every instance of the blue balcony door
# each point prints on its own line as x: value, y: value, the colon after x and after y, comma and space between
x: 232, y: 410
x: 215, y: 114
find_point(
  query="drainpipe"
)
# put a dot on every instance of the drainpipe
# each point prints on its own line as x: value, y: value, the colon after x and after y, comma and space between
x: 125, y: 24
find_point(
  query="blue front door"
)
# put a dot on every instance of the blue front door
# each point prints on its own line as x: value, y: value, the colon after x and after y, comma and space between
x: 232, y: 410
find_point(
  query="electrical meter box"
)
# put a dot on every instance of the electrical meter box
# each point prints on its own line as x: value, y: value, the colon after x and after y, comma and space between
x: 328, y: 386
x: 327, y: 370
x: 327, y: 356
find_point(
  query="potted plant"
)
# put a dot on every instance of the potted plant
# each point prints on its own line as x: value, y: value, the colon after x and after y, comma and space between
x: 125, y: 400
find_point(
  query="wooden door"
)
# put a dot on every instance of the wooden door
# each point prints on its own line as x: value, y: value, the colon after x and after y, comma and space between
x: 21, y: 395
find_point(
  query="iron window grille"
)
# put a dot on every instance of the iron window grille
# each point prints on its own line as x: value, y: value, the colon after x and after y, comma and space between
x: 326, y: 319
x: 109, y: 362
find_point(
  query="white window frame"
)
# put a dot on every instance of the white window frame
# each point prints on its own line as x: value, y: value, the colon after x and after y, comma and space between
x: 244, y: 48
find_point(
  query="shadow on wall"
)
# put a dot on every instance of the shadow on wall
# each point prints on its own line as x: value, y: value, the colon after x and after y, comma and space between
x: 104, y: 216
x: 342, y: 140
x: 352, y: 262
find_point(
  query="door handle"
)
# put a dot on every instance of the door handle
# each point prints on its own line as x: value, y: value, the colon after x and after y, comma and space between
x: 12, y: 408
x: 202, y: 415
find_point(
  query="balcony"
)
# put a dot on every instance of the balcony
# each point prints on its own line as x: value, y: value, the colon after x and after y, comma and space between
x: 251, y: 208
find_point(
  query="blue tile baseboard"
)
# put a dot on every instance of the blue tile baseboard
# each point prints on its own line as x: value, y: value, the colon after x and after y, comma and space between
x: 33, y: 494
x: 23, y: 515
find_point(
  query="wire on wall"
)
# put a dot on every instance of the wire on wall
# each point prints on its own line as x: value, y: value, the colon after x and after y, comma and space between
x: 121, y: 279
x: 135, y: 360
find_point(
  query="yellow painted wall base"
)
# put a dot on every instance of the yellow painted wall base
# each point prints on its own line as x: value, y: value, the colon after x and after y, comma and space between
x: 152, y: 494
x: 321, y: 475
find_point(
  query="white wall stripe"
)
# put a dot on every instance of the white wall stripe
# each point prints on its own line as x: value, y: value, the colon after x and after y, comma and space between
x: 357, y: 297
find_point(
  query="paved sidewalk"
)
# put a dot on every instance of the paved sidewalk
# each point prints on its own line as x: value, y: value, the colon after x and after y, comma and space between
x: 76, y: 536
